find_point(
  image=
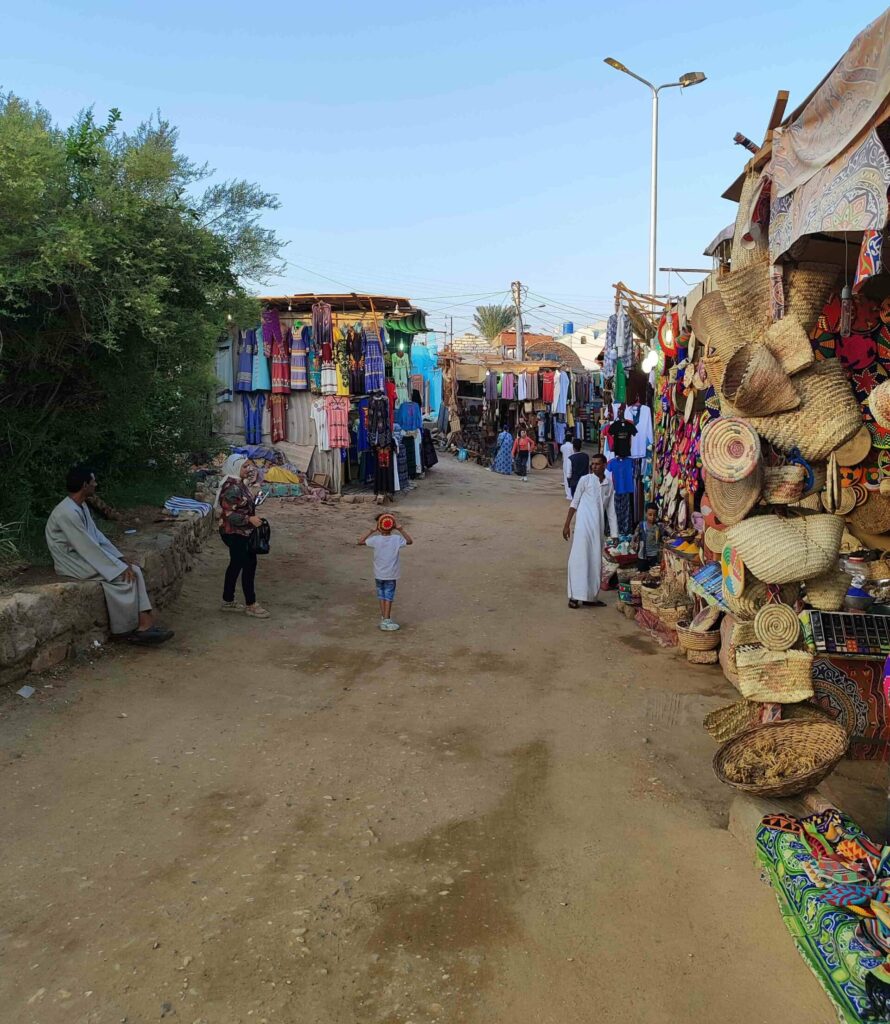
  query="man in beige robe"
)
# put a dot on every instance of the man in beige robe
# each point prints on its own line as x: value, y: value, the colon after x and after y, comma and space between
x: 80, y: 550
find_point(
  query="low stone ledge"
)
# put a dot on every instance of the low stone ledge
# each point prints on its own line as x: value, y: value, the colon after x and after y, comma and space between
x: 42, y: 626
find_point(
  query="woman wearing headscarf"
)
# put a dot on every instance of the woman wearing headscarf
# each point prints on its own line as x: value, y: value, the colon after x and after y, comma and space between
x: 503, y: 459
x: 237, y: 520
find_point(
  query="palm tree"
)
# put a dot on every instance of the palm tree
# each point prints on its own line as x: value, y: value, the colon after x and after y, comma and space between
x: 491, y: 320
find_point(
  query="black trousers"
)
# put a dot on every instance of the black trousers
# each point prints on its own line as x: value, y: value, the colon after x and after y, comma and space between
x: 242, y: 562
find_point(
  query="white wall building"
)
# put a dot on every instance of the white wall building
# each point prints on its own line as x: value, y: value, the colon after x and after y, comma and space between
x: 587, y: 342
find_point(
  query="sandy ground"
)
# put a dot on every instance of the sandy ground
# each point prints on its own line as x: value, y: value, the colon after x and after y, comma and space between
x: 503, y: 813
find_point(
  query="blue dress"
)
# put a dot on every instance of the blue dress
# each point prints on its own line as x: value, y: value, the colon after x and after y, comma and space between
x: 503, y: 459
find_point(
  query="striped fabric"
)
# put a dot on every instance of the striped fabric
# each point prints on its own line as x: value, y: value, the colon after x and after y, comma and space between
x: 299, y: 350
x: 375, y: 371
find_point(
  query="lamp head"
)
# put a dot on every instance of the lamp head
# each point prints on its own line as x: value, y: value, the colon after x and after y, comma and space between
x: 692, y: 78
x: 614, y: 64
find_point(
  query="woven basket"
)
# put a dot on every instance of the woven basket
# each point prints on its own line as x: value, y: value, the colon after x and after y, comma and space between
x: 746, y: 294
x: 783, y: 485
x: 783, y: 677
x: 777, y: 627
x: 790, y: 344
x: 697, y: 639
x: 808, y: 287
x: 755, y: 595
x: 826, y: 593
x: 846, y: 502
x: 828, y: 415
x: 879, y: 404
x: 879, y: 569
x: 730, y: 449
x: 787, y: 550
x: 755, y: 383
x: 826, y: 742
x: 649, y: 598
x: 855, y: 450
x: 695, y: 657
x: 729, y: 721
x: 873, y: 517
x: 714, y: 328
x: 671, y: 616
x: 733, y: 501
x: 714, y: 539
x: 756, y: 248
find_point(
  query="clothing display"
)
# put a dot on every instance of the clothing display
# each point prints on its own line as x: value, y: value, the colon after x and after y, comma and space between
x: 337, y: 413
x: 379, y: 423
x: 299, y: 352
x: 409, y: 417
x: 261, y: 379
x: 547, y: 386
x: 328, y: 379
x: 508, y: 386
x: 323, y: 330
x: 622, y: 471
x: 278, y: 417
x: 320, y: 419
x: 400, y: 373
x: 253, y: 406
x: 624, y: 513
x: 246, y: 351
x: 355, y: 349
x: 374, y: 370
x: 621, y: 433
x: 641, y: 417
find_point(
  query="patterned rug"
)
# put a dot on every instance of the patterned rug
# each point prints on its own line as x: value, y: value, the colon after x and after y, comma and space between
x: 851, y: 690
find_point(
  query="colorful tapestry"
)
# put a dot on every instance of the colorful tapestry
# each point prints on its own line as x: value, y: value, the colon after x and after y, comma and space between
x: 851, y: 690
x: 831, y: 883
x: 869, y: 262
x: 850, y: 194
x: 849, y: 99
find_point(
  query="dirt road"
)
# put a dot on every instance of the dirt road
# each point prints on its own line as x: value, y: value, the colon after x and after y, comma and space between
x: 503, y: 813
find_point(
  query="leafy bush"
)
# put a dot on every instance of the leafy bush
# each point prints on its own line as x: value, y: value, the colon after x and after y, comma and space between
x: 118, y: 273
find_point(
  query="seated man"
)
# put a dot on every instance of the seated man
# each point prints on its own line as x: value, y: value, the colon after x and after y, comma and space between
x: 81, y: 551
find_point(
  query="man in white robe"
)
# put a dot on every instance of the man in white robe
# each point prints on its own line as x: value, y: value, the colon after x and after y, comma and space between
x: 82, y: 551
x: 568, y: 450
x: 592, y: 505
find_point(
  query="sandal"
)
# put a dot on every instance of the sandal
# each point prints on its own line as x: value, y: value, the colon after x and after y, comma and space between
x: 594, y: 604
x: 574, y: 604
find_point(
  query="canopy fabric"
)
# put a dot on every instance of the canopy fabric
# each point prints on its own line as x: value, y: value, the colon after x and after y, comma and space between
x: 850, y: 100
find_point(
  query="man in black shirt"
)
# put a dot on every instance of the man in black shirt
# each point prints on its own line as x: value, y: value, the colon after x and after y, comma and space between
x: 580, y: 465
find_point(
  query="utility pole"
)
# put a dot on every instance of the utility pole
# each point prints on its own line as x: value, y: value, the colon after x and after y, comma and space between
x: 517, y: 302
x: 451, y: 331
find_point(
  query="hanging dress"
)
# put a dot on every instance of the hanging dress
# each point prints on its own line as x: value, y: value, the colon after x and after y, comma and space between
x: 299, y: 375
x: 372, y: 351
x: 246, y: 350
x: 262, y: 379
x: 400, y: 373
x: 281, y: 362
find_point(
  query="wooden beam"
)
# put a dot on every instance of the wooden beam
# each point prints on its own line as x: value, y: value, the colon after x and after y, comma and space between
x: 775, y: 118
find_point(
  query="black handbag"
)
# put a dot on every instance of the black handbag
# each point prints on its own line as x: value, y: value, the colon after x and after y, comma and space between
x: 260, y: 539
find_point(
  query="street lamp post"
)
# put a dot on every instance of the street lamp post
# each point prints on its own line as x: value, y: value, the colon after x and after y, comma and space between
x: 690, y: 78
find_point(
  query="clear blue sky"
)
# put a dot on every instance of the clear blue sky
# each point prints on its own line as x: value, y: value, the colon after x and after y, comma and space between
x: 442, y: 150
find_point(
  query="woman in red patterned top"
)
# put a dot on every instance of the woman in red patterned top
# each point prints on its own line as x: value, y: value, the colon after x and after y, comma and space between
x: 236, y: 523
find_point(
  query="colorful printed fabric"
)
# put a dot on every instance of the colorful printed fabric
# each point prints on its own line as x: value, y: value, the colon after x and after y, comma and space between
x: 869, y: 262
x: 777, y: 291
x: 278, y: 417
x: 854, y: 693
x: 280, y: 359
x: 839, y: 929
x: 299, y: 352
x: 503, y: 459
x: 610, y: 349
x: 400, y: 368
x: 253, y: 417
x: 262, y: 379
x: 337, y: 413
x: 375, y: 372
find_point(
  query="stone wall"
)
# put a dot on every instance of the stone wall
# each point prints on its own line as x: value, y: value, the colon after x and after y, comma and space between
x: 44, y: 625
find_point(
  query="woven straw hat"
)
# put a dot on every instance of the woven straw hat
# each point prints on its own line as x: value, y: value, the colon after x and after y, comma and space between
x: 827, y: 417
x: 855, y: 450
x: 873, y: 516
x: 733, y: 500
x: 783, y: 485
x: 808, y: 287
x: 713, y: 326
x: 755, y: 595
x: 879, y: 404
x: 730, y: 449
x: 826, y: 593
x: 780, y: 550
x: 790, y: 344
x: 713, y: 539
x: 746, y: 294
x: 750, y: 243
x: 754, y: 382
x: 777, y: 627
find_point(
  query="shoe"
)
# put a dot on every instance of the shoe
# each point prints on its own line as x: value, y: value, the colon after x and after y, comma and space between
x: 231, y: 606
x: 389, y: 626
x: 525, y: 479
x: 255, y: 611
x: 149, y: 637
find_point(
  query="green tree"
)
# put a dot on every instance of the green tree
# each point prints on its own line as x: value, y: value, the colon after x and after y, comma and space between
x: 120, y: 264
x: 490, y: 321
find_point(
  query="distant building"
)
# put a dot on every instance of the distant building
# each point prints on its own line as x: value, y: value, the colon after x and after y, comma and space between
x: 587, y: 343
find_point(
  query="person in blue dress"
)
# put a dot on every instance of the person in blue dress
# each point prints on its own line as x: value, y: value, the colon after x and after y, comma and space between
x: 503, y: 458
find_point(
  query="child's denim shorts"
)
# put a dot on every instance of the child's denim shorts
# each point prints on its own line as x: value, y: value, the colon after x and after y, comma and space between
x: 386, y: 589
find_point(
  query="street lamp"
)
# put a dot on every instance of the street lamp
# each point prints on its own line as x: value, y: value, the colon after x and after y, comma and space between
x: 690, y: 78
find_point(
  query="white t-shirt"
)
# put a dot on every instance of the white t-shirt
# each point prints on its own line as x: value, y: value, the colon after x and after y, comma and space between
x: 386, y: 554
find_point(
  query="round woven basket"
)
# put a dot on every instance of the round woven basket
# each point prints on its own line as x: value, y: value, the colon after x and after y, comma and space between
x: 846, y: 502
x: 783, y: 677
x: 755, y: 595
x: 755, y: 382
x: 539, y: 461
x: 713, y: 539
x: 730, y: 449
x: 733, y: 501
x: 808, y: 287
x: 777, y: 627
x: 746, y: 295
x: 828, y: 414
x: 697, y: 639
x: 713, y: 325
x: 873, y: 516
x: 783, y: 485
x: 790, y: 344
x: 788, y: 550
x: 826, y: 593
x: 879, y: 404
x: 855, y: 450
x: 811, y: 741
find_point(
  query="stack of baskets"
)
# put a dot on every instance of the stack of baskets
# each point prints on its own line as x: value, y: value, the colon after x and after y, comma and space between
x: 700, y: 645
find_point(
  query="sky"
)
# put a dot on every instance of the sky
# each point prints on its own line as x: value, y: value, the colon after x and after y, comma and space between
x: 442, y: 150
